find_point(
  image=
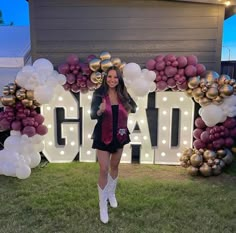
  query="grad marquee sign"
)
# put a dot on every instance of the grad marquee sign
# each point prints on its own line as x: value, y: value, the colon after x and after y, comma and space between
x: 174, y: 109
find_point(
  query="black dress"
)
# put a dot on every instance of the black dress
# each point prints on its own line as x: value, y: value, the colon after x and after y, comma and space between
x: 97, y: 133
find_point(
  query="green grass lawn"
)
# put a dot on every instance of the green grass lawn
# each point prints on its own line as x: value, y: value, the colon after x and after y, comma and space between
x: 60, y: 198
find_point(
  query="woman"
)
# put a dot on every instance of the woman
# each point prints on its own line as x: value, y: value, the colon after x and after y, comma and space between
x: 111, y: 104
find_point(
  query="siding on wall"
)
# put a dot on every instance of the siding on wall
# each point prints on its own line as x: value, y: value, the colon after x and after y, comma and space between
x: 132, y: 30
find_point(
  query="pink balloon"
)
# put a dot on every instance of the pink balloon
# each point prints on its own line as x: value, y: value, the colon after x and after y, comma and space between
x: 150, y: 64
x: 170, y: 58
x: 199, y: 123
x: 39, y: 118
x: 72, y: 59
x: 4, y: 125
x: 29, y: 131
x: 42, y: 130
x: 91, y: 57
x: 181, y: 72
x: 66, y: 86
x: 229, y: 123
x: 197, y: 133
x: 192, y: 60
x: 16, y: 125
x: 182, y: 86
x: 182, y: 61
x: 232, y: 132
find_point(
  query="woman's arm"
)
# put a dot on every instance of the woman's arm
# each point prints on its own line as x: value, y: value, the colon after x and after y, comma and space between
x: 96, y: 101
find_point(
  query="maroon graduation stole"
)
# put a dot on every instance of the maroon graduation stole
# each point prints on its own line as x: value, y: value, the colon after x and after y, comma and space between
x: 107, y: 123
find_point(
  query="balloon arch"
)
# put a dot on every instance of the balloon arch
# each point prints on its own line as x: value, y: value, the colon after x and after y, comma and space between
x: 39, y: 85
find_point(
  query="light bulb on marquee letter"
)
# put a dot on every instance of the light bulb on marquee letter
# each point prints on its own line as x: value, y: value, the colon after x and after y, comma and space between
x: 61, y: 153
x: 143, y: 139
x: 166, y: 102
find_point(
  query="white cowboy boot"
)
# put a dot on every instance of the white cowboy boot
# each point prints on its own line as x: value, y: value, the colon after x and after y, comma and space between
x: 103, y: 194
x: 111, y: 191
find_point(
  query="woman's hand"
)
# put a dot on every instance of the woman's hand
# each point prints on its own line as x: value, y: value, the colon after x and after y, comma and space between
x: 102, y: 107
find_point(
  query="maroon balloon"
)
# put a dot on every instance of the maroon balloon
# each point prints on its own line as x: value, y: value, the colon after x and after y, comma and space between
x: 63, y: 68
x: 150, y: 64
x: 91, y: 57
x: 232, y: 132
x: 198, y: 144
x: 160, y: 65
x: 16, y: 125
x: 192, y: 60
x: 197, y: 133
x: 229, y: 123
x: 72, y: 59
x: 229, y: 142
x: 200, y: 69
x: 170, y: 58
x: 162, y: 86
x: 67, y: 86
x: 199, y: 123
x: 182, y: 86
x: 70, y: 78
x: 182, y: 61
x: 4, y: 125
x: 170, y: 71
x: 159, y: 58
x: 29, y: 131
x: 205, y: 136
x: 39, y: 118
x: 75, y: 88
x: 190, y: 71
x: 42, y: 130
x: 171, y: 83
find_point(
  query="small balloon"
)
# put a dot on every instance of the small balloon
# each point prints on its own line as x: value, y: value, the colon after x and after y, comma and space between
x: 105, y: 55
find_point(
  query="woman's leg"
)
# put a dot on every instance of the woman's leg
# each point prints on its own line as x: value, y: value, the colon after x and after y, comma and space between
x: 103, y: 160
x: 113, y: 177
x: 114, y: 163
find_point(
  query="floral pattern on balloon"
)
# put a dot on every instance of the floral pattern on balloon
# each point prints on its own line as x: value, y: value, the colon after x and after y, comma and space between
x: 34, y: 85
x: 173, y: 72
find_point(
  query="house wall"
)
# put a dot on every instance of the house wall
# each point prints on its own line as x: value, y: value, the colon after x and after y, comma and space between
x: 131, y: 30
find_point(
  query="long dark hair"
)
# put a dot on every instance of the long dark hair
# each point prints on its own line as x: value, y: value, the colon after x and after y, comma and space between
x: 121, y: 89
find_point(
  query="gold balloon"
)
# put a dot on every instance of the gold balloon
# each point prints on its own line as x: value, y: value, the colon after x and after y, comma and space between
x: 197, y: 92
x: 188, y: 92
x: 232, y: 82
x: 196, y: 160
x: 27, y: 103
x: 105, y: 55
x: 216, y: 169
x: 94, y: 64
x: 6, y: 90
x: 226, y: 90
x: 96, y: 77
x: 116, y: 61
x: 193, y: 82
x: 209, y: 154
x: 30, y: 94
x: 105, y: 64
x: 204, y: 89
x: 218, y: 100
x: 222, y: 163
x: 203, y: 82
x: 222, y: 79
x: 221, y: 153
x: 193, y: 171
x: 183, y: 164
x: 12, y: 88
x: 21, y: 94
x: 8, y: 100
x: 36, y: 104
x: 188, y: 152
x: 204, y: 101
x: 211, y: 76
x: 228, y: 159
x: 184, y: 158
x: 210, y: 162
x: 212, y: 93
x: 122, y: 65
x: 205, y: 170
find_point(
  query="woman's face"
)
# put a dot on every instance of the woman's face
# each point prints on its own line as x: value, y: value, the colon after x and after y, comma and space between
x: 112, y: 79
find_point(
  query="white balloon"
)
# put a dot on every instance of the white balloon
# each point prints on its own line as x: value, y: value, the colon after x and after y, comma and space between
x: 23, y: 171
x: 152, y: 87
x: 211, y: 114
x: 61, y: 79
x: 150, y: 75
x: 131, y: 71
x: 43, y: 66
x: 35, y: 160
x: 13, y: 143
x: 43, y: 94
